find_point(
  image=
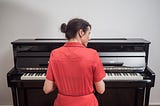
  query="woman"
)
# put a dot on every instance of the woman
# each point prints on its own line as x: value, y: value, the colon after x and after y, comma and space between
x: 75, y: 69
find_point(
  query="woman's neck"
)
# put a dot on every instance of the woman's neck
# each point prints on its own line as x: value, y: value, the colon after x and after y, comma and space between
x: 76, y: 39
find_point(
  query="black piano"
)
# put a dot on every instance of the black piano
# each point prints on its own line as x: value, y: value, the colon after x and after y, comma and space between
x: 128, y: 78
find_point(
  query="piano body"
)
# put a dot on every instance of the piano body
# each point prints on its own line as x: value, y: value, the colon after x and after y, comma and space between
x: 128, y: 79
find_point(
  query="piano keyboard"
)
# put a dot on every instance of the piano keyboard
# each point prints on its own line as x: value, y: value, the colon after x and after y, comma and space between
x: 33, y: 76
x: 109, y: 76
x: 123, y: 76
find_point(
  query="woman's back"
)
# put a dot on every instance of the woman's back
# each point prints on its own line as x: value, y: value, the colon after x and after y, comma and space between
x: 73, y: 69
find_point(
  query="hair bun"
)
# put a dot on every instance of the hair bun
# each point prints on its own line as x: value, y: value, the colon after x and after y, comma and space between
x: 63, y: 28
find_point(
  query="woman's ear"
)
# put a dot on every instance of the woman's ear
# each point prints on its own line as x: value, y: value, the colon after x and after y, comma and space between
x: 80, y: 32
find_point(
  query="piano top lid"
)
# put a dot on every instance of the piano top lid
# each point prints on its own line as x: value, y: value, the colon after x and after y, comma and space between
x: 119, y: 40
x: 93, y: 40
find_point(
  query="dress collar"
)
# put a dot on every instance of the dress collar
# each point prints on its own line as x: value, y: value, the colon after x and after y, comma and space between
x: 73, y: 44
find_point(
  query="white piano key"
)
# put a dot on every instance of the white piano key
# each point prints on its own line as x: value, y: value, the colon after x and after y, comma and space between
x: 33, y: 76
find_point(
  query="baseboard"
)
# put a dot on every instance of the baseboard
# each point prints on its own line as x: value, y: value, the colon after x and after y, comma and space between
x: 154, y: 104
x: 6, y: 105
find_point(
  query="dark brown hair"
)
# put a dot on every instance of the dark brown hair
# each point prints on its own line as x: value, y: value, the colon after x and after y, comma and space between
x: 73, y: 27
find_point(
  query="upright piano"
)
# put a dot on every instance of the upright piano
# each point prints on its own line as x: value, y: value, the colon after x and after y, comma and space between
x: 128, y: 78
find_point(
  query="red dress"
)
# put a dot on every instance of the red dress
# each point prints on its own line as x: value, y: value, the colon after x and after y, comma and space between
x: 74, y: 68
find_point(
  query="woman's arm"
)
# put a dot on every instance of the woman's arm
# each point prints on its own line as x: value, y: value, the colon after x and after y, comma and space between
x: 100, y: 87
x: 49, y: 86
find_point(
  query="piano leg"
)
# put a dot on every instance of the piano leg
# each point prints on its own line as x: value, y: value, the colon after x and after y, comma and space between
x: 14, y: 96
x: 18, y: 95
x: 147, y: 96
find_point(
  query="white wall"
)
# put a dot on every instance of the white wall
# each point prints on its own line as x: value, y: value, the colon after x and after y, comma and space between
x: 109, y: 18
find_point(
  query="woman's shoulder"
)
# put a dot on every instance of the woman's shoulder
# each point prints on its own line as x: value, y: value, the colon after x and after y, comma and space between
x: 56, y: 50
x: 92, y: 50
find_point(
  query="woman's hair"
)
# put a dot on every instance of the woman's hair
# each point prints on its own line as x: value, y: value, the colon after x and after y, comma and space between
x: 73, y: 27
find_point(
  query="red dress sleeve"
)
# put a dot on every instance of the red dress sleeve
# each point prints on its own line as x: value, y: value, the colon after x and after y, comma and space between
x: 98, y: 70
x: 49, y: 73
